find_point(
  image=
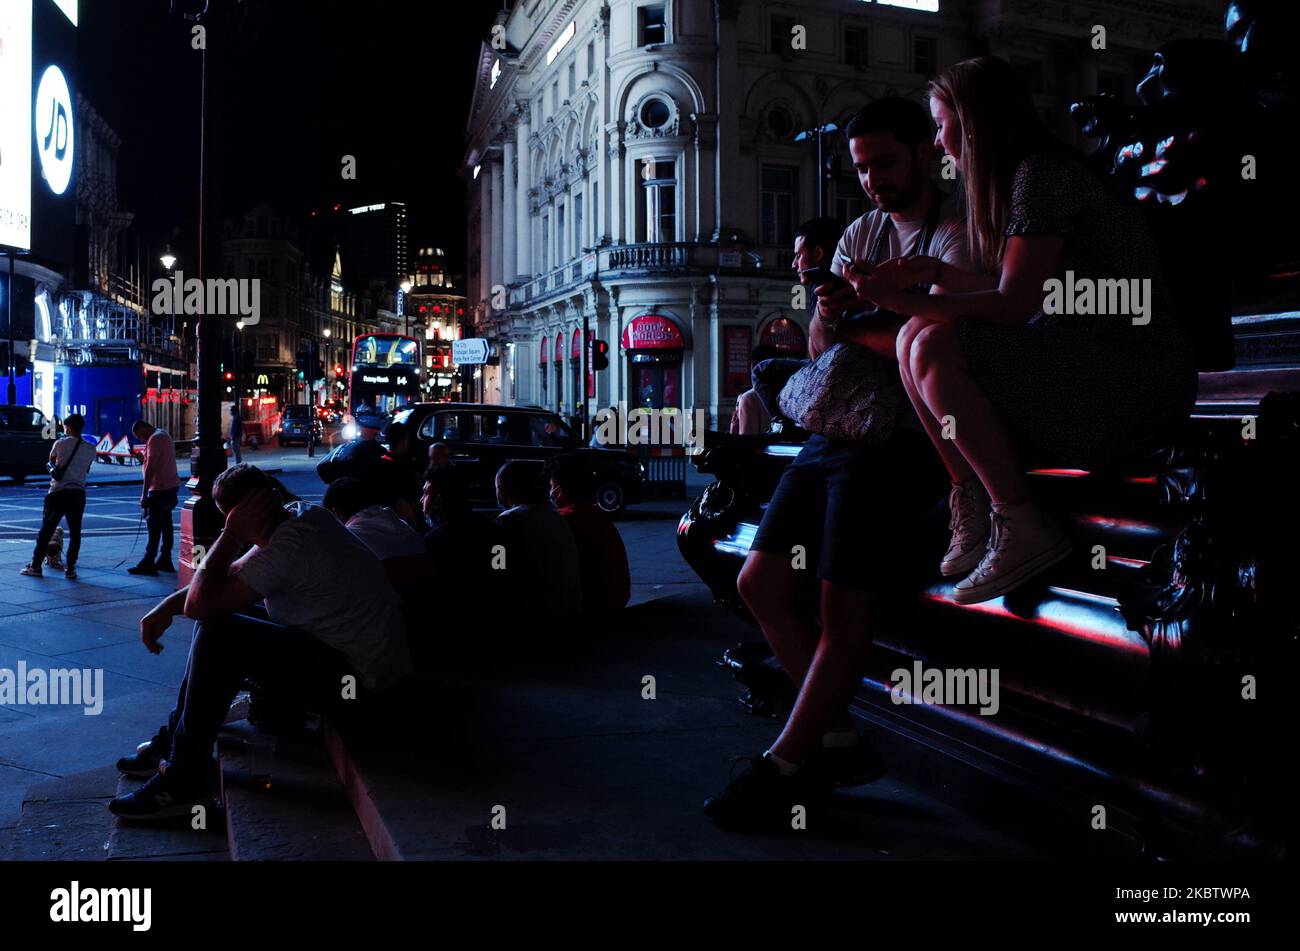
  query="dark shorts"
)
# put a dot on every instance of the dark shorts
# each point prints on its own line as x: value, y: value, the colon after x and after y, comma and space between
x: 860, y: 512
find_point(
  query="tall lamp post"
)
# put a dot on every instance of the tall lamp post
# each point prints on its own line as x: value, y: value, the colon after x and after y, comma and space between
x: 201, y: 523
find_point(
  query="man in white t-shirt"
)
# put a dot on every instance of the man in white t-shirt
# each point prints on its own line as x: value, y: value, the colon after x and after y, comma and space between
x: 70, y: 460
x: 333, y: 632
x: 848, y: 499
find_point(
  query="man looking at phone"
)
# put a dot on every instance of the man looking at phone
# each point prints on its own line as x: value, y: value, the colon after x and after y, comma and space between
x: 852, y: 503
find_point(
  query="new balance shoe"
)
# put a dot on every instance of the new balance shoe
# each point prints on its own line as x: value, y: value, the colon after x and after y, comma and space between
x: 33, y: 571
x: 1023, y: 543
x: 969, y: 505
x: 760, y: 799
x: 144, y: 762
x: 167, y: 795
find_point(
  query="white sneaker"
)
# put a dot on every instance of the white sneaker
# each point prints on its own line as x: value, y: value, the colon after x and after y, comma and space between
x: 969, y: 524
x: 1023, y: 543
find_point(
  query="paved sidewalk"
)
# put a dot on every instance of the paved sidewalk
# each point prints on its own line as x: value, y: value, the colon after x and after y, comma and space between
x: 51, y: 623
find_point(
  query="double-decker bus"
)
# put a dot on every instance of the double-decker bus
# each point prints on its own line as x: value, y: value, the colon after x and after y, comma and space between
x: 385, y: 377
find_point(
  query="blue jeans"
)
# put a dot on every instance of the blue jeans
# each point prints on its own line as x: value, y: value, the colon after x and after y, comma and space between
x: 289, y: 664
x: 158, y: 509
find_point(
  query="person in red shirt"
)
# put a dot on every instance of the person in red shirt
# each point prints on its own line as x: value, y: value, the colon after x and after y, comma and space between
x: 602, y: 557
x: 158, y: 497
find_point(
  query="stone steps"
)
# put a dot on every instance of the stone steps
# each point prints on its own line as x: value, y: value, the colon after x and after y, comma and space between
x: 304, y: 814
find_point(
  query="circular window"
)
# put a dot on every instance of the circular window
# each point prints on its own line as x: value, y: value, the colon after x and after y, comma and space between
x: 655, y: 114
x: 779, y: 123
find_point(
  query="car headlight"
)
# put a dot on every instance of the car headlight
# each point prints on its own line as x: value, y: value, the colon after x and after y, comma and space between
x: 350, y: 431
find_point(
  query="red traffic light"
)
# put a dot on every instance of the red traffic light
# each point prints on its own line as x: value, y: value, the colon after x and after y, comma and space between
x: 338, y: 370
x: 229, y: 375
x: 599, y: 355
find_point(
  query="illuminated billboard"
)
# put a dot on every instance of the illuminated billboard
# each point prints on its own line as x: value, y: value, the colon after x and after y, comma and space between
x: 16, y: 107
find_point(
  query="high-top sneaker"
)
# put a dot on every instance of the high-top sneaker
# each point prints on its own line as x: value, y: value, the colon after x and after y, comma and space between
x: 969, y: 523
x: 1023, y: 543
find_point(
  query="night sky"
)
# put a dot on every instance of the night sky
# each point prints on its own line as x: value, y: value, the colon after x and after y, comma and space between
x: 388, y: 81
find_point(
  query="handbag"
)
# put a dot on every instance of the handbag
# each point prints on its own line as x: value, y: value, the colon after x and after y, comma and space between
x: 56, y: 472
x: 849, y: 392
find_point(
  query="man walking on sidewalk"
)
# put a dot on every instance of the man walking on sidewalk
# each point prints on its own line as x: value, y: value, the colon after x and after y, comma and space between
x: 236, y: 431
x: 158, y: 497
x: 70, y: 460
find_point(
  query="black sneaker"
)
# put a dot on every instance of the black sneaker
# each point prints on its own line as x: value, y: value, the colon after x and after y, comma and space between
x: 166, y: 796
x: 759, y: 800
x: 164, y: 564
x: 70, y: 573
x: 33, y: 571
x: 144, y: 568
x: 835, y: 767
x: 144, y: 762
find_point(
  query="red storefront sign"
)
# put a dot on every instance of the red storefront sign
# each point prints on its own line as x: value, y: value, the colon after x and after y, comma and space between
x: 652, y: 332
x: 735, y: 356
x: 784, y: 334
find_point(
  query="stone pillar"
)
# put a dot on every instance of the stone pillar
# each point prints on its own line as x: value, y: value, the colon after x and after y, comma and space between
x: 523, y: 227
x: 498, y: 222
x: 508, y: 205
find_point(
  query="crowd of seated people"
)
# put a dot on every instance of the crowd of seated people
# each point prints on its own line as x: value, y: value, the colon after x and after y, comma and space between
x: 340, y: 602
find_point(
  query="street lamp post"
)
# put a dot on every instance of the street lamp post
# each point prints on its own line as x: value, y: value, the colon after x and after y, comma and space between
x: 201, y: 522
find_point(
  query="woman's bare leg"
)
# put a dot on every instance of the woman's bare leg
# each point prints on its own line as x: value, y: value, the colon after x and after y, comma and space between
x: 981, y: 435
x: 959, y: 470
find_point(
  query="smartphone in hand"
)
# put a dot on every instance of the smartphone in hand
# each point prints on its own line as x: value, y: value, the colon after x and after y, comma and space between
x: 821, y: 275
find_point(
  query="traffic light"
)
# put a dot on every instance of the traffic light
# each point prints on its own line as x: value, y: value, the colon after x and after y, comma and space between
x: 228, y: 375
x: 599, y: 355
x: 338, y: 370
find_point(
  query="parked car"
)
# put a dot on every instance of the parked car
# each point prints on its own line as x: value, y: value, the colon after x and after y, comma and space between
x: 297, y: 423
x: 483, y: 437
x: 24, y: 442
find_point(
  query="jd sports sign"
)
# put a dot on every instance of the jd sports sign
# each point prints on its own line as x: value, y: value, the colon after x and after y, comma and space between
x: 53, y: 128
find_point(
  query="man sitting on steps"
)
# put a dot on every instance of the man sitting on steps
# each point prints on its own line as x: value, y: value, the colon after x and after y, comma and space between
x: 332, y: 632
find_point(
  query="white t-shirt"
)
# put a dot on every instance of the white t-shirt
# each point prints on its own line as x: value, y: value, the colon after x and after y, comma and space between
x: 948, y: 243
x: 385, y: 533
x: 74, y: 477
x: 318, y: 577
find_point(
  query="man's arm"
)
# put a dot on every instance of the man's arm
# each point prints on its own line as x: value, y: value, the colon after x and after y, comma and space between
x: 154, y: 624
x: 215, y: 590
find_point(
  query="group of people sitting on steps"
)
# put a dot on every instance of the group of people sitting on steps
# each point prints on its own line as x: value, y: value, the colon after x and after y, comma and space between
x: 325, y: 608
x: 932, y: 354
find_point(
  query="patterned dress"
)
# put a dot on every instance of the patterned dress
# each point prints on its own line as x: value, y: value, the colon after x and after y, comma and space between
x: 1085, y: 391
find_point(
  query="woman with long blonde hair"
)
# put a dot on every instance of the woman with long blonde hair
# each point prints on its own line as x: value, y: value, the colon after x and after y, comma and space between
x: 1060, y: 350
